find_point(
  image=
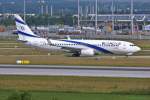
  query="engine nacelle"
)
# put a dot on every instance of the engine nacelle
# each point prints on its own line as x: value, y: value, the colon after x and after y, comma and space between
x: 87, y: 52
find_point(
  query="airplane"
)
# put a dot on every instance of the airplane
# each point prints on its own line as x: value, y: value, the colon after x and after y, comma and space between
x: 75, y: 46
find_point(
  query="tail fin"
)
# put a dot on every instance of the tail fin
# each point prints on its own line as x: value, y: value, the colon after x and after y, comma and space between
x: 23, y: 30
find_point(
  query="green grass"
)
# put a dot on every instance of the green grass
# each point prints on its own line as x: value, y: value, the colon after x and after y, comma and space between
x: 76, y: 96
x: 76, y: 88
x: 76, y: 84
x: 84, y: 96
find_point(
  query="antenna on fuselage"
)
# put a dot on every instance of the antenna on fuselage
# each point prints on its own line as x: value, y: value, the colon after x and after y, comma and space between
x: 68, y: 37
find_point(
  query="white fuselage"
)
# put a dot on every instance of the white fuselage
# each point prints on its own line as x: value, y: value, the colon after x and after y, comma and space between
x: 106, y: 46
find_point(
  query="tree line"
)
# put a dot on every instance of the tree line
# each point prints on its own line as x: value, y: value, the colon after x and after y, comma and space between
x: 38, y: 20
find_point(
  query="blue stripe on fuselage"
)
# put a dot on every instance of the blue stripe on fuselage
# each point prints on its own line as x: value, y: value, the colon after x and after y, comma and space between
x: 89, y: 45
x: 19, y: 21
x: 26, y: 34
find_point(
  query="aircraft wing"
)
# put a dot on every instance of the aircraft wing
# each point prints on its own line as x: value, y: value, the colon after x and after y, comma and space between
x: 66, y: 48
x: 71, y: 50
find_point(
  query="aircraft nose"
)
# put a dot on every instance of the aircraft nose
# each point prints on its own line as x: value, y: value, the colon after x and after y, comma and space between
x: 138, y: 49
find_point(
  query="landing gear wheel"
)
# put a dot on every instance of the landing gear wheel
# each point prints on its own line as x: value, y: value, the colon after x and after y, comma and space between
x: 77, y: 54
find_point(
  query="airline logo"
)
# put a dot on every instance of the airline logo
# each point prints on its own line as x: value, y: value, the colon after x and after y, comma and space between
x: 110, y: 44
x: 23, y: 29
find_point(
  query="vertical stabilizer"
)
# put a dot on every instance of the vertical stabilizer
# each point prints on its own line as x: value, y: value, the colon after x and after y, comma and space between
x: 23, y: 30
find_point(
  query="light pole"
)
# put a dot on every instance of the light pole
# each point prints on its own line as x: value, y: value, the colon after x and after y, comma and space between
x: 132, y: 22
x: 112, y: 8
x: 96, y: 17
x: 78, y: 13
x: 47, y: 7
x: 51, y: 10
x: 24, y: 10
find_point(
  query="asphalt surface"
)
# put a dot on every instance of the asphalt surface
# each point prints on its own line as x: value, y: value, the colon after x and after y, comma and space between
x: 90, y: 71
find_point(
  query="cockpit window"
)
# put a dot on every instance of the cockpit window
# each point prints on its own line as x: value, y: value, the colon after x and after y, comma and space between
x: 132, y: 45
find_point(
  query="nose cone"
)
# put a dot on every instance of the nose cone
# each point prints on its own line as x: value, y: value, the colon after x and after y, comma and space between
x: 138, y: 49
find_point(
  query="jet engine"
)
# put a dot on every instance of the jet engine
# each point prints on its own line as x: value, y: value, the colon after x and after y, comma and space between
x: 87, y: 52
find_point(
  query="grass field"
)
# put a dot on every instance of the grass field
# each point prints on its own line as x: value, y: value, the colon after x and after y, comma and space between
x: 77, y: 96
x: 87, y: 61
x: 76, y: 88
x: 76, y: 84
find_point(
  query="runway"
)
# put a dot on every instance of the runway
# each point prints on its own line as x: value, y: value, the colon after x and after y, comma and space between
x: 89, y: 71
